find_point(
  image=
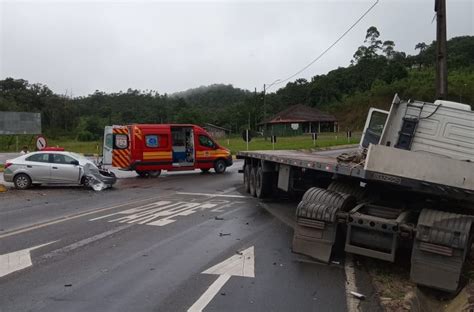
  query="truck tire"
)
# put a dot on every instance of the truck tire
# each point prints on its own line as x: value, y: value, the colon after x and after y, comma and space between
x: 22, y: 181
x: 247, y: 178
x: 348, y: 188
x: 263, y: 184
x: 219, y: 166
x: 440, y: 249
x: 321, y: 196
x: 253, y: 178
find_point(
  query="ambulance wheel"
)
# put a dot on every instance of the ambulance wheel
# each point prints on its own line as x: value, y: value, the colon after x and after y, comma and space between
x: 205, y: 170
x: 154, y: 173
x: 219, y: 166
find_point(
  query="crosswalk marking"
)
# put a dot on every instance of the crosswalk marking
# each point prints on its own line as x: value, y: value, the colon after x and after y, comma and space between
x: 164, y: 212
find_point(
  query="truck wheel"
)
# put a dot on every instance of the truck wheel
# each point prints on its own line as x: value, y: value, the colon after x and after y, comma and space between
x: 247, y: 178
x: 440, y: 249
x: 154, y: 173
x: 219, y: 166
x: 22, y: 181
x: 262, y: 183
x: 253, y: 181
x: 353, y: 189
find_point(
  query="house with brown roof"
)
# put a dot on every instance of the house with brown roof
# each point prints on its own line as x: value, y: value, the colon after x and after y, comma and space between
x: 298, y: 119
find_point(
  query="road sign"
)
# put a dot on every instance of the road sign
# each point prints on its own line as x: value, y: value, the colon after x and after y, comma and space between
x: 41, y: 142
x: 242, y: 264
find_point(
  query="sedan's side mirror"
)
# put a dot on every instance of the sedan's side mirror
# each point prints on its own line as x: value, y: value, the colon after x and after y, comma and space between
x: 75, y: 163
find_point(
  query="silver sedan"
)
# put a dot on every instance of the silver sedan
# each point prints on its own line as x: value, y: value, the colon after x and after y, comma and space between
x: 55, y: 168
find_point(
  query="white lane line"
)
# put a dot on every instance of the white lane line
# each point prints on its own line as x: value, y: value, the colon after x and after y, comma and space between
x: 242, y: 264
x: 352, y: 303
x: 212, y: 195
x: 17, y: 260
x: 67, y: 218
x: 84, y: 242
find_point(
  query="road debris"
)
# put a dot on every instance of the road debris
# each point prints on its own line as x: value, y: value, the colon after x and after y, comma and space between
x: 218, y: 218
x: 2, y: 188
x: 224, y: 234
x: 357, y: 295
x: 68, y: 285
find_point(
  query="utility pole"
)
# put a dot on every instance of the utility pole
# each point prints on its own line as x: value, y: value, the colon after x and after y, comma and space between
x: 441, y: 52
x: 255, y: 105
x: 264, y: 113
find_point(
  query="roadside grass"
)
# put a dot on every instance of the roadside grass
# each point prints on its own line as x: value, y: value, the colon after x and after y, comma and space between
x: 392, y: 281
x: 234, y: 143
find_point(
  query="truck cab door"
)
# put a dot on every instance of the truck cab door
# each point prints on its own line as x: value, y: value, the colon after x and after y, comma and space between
x: 108, y: 146
x: 373, y: 128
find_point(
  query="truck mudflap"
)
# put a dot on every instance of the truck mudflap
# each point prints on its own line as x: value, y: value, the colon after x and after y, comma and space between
x: 316, y: 222
x: 441, y: 246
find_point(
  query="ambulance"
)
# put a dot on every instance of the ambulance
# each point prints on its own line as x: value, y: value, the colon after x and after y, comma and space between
x: 148, y: 149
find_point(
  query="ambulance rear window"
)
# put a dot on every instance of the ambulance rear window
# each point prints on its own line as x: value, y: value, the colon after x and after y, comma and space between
x: 109, y: 140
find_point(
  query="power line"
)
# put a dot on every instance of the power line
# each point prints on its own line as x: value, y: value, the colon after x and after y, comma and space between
x: 329, y: 48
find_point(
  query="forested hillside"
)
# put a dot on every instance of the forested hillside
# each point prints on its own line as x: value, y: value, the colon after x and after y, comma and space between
x: 377, y: 71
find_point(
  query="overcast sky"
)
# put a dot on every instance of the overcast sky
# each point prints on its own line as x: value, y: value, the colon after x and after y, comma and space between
x: 171, y: 46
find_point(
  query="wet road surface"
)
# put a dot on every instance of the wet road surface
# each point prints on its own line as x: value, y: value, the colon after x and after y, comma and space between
x: 144, y: 245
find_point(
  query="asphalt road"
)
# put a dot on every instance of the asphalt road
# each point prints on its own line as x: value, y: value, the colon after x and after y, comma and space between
x: 144, y: 245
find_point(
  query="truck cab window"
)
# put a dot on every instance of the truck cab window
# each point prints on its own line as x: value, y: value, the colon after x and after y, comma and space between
x: 377, y: 122
x: 206, y: 141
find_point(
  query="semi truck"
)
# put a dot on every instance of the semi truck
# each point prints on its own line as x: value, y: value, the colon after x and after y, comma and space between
x: 409, y: 184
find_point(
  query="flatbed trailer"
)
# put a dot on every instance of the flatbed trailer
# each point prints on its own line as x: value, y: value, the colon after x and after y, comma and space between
x: 367, y: 171
x: 409, y: 184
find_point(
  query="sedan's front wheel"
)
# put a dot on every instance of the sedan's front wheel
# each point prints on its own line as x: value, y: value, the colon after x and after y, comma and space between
x: 22, y: 181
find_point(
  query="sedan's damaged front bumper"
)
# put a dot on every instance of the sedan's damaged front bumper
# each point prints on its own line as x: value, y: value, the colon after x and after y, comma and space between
x: 98, y: 179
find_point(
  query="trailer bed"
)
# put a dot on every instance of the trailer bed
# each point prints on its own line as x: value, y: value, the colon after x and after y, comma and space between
x: 329, y: 163
x: 314, y: 161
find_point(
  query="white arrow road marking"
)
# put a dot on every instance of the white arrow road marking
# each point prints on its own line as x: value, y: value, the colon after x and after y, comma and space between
x: 17, y: 260
x: 242, y: 264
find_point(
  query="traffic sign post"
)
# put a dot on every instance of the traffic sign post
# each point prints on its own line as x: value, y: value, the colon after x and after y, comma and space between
x: 41, y: 142
x: 247, y: 137
x: 314, y: 136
